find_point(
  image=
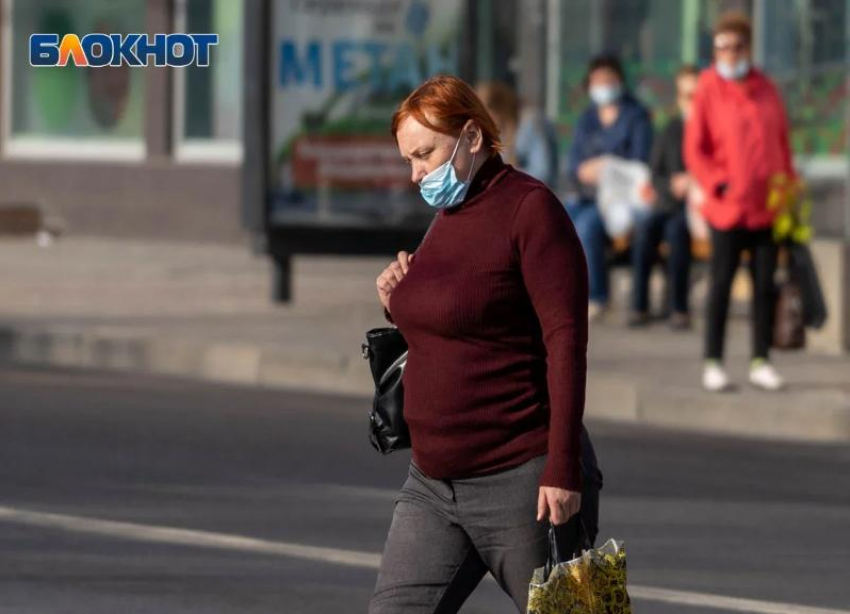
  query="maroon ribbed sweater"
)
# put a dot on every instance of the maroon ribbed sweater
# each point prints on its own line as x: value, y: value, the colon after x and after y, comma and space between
x: 494, y: 310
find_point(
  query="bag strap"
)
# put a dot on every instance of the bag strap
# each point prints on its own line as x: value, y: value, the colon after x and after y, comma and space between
x: 554, y: 557
x: 398, y: 363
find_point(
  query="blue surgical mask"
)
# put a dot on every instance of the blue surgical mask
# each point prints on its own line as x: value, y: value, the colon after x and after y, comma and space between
x: 441, y: 188
x: 733, y: 72
x: 602, y: 95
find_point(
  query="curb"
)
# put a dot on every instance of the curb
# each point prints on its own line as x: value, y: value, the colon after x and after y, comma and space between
x: 227, y: 363
x: 809, y: 416
x: 821, y: 416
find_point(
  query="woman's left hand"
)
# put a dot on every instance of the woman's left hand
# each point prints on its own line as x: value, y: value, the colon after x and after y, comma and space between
x: 558, y: 504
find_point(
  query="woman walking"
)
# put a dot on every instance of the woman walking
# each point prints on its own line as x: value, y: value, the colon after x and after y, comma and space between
x: 494, y: 309
x: 736, y: 143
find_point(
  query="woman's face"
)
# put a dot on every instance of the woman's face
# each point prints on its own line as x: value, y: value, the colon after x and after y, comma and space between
x: 730, y: 48
x: 604, y: 77
x: 424, y: 149
x: 686, y: 87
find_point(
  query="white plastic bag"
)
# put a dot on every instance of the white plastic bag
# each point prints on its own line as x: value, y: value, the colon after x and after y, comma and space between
x: 622, y: 192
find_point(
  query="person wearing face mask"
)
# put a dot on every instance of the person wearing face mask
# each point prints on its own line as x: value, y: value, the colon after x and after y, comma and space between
x: 736, y: 142
x: 667, y: 221
x: 493, y: 305
x: 615, y: 124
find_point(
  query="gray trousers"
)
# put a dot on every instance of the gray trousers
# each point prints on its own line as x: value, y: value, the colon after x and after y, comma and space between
x: 447, y: 534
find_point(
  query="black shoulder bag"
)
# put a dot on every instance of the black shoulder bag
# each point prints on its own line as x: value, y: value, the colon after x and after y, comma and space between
x: 386, y: 350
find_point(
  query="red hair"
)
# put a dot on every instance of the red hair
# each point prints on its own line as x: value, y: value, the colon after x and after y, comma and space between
x: 445, y: 104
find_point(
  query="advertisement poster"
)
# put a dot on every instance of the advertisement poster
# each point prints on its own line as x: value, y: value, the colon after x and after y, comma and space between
x: 340, y: 68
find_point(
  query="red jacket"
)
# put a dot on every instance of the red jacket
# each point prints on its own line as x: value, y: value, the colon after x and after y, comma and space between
x: 737, y: 135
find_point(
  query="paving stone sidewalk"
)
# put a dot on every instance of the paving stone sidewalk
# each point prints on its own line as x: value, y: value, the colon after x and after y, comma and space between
x: 203, y: 311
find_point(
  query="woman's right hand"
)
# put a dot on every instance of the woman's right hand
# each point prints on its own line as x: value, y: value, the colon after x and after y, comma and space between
x: 679, y: 185
x: 392, y: 275
x: 589, y: 171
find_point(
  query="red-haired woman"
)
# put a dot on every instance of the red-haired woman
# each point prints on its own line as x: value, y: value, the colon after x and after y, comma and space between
x: 494, y: 310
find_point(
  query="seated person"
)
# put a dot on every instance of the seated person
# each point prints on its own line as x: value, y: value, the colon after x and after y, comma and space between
x: 667, y: 221
x: 615, y: 124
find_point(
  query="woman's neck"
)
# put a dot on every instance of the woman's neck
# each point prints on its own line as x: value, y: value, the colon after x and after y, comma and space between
x: 480, y: 160
x: 508, y: 134
x: 608, y: 114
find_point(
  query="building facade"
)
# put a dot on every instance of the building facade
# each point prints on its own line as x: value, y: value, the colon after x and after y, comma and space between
x: 119, y: 151
x: 159, y: 152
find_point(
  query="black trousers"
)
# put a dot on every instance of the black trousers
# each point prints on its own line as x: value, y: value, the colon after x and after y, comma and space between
x: 650, y: 231
x: 727, y: 246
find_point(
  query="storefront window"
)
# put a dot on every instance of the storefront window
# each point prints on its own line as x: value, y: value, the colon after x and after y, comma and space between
x: 494, y: 43
x: 209, y: 99
x: 805, y: 53
x: 76, y: 111
x: 650, y: 37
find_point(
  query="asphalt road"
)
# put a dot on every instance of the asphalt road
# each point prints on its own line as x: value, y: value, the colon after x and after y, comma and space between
x: 123, y: 495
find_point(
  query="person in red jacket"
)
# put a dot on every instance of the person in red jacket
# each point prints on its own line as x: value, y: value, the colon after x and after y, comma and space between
x: 736, y: 144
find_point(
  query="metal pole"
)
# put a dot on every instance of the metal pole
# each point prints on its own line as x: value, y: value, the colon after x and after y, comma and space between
x: 256, y: 119
x: 847, y: 122
x: 6, y: 62
x: 553, y: 58
x: 282, y: 280
x: 759, y: 31
x: 257, y: 135
x: 598, y: 27
x: 690, y: 32
x: 532, y: 53
x: 485, y: 36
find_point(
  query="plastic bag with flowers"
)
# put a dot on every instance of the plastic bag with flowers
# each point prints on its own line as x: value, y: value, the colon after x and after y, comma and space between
x: 593, y: 582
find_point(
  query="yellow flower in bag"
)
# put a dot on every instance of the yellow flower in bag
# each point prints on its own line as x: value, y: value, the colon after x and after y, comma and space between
x: 593, y: 583
x: 793, y: 205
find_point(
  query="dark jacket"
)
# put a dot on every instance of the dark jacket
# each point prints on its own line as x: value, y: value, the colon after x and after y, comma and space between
x: 630, y: 137
x: 666, y: 161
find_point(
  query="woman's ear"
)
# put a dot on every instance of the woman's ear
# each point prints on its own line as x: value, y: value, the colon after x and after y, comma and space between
x: 475, y: 136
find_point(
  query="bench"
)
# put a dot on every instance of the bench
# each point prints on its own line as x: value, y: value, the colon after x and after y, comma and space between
x: 620, y: 250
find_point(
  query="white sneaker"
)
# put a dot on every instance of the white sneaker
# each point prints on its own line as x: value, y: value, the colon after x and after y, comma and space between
x: 764, y: 376
x: 596, y: 311
x: 715, y: 378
